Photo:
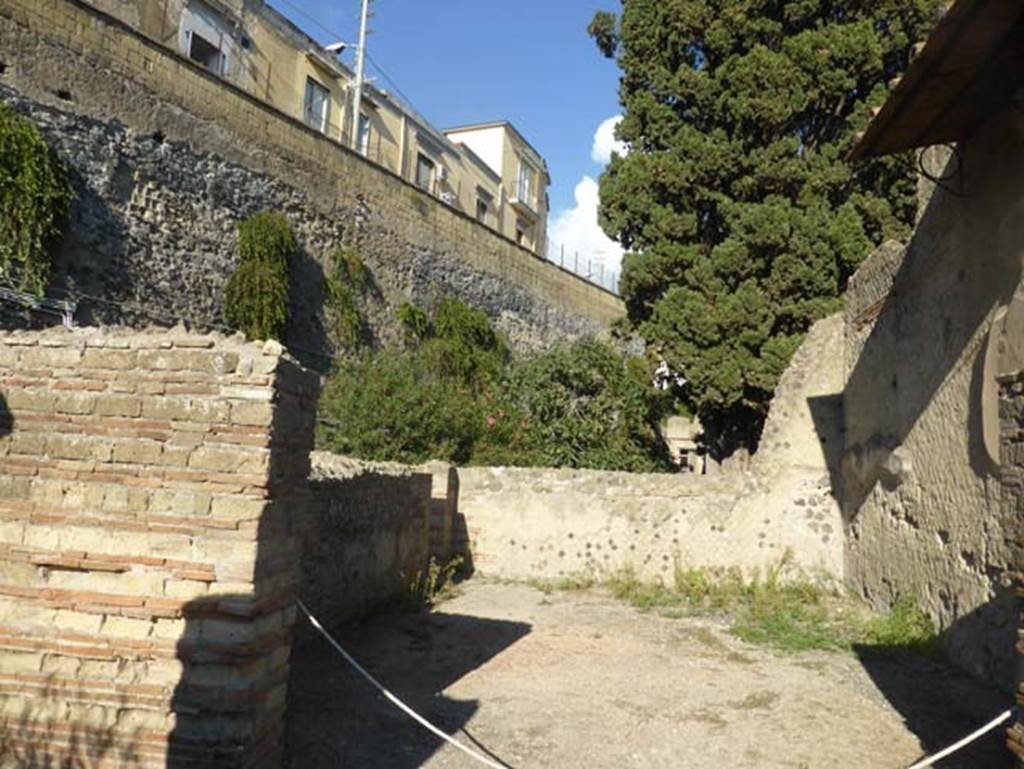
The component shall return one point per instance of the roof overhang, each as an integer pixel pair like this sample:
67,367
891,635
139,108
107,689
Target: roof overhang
970,66
327,66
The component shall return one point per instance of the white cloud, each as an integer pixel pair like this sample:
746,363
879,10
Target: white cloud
605,142
575,239
577,231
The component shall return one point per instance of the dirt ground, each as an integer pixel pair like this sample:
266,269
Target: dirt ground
578,679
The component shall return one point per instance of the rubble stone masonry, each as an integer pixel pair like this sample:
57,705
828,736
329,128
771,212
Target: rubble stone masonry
148,484
1011,412
166,158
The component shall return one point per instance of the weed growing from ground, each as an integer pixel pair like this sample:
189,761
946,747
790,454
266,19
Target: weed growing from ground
433,585
562,584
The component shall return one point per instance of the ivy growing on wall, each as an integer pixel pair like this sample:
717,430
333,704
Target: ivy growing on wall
256,298
34,199
347,280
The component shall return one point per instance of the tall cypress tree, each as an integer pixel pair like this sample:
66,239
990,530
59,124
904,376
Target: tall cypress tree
740,214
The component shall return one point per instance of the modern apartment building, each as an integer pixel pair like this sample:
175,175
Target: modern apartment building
524,177
487,171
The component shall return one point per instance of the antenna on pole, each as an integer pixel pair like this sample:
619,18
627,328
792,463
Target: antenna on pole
357,92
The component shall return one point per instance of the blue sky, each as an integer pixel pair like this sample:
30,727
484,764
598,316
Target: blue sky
467,61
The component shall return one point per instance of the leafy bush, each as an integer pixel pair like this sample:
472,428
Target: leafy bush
454,394
34,199
393,406
257,295
463,345
267,237
414,322
578,405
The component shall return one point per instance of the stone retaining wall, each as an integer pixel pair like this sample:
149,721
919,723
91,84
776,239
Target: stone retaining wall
167,158
148,484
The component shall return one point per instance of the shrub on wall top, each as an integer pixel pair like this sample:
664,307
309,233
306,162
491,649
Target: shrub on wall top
34,199
256,297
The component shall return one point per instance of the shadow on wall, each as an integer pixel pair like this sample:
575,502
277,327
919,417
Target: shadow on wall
927,309
336,718
941,704
93,255
943,292
27,745
230,702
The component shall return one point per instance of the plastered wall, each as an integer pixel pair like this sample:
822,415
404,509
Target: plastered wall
920,478
543,523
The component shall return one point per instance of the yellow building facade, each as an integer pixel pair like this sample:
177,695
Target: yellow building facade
487,171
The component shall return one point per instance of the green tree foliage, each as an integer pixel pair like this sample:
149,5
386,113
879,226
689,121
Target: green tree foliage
257,295
741,216
418,403
576,405
455,394
392,405
34,199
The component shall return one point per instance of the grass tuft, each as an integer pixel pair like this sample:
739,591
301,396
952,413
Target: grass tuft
435,584
783,609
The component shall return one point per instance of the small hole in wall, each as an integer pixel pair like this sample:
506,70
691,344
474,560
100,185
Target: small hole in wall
158,137
63,94
3,67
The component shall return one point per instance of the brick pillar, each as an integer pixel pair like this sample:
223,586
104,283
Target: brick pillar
1011,416
147,563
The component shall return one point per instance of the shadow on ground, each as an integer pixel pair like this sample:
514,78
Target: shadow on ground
335,718
940,704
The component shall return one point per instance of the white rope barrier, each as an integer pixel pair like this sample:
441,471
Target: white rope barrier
930,761
394,700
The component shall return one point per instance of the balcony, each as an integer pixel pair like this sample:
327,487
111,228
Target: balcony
522,200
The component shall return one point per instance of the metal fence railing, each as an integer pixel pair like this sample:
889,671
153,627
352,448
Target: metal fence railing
589,266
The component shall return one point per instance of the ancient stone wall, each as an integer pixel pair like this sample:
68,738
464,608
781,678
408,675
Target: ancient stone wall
148,485
167,159
920,464
365,535
1011,411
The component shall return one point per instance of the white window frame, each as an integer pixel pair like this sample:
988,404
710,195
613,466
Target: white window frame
524,183
425,160
197,19
364,127
315,88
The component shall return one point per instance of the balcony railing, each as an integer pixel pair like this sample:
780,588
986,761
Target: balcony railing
523,199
